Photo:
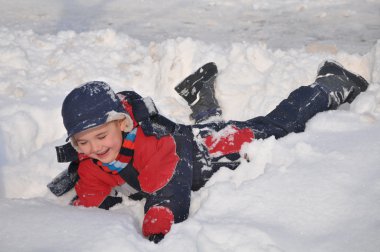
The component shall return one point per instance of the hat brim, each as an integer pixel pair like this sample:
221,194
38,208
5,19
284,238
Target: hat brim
89,124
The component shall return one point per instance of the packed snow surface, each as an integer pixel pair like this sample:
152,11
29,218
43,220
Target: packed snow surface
313,191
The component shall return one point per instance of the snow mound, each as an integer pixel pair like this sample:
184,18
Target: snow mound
313,191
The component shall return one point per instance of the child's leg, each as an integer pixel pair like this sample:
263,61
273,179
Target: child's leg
218,144
334,86
290,115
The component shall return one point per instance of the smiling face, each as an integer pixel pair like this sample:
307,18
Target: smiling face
102,143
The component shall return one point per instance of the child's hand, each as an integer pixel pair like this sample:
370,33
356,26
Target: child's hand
157,223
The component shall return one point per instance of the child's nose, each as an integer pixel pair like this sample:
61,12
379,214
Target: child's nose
95,147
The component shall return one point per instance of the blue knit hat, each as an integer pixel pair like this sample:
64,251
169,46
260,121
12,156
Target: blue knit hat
90,105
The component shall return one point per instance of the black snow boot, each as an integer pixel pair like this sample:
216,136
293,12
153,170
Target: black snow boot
340,84
199,92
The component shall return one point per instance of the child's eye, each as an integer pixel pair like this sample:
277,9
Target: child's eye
102,137
81,143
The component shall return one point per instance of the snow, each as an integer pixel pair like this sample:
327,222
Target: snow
314,191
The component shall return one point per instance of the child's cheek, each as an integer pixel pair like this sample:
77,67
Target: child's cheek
83,149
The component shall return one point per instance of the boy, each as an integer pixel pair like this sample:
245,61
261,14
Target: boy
121,141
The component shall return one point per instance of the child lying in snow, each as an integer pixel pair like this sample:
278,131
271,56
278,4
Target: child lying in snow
120,141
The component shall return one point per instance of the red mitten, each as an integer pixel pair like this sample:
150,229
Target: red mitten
158,220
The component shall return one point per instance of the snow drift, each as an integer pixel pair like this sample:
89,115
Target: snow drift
314,191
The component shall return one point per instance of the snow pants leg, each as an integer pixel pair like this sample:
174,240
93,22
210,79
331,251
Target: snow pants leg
289,116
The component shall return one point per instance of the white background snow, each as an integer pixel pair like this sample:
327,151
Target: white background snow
314,191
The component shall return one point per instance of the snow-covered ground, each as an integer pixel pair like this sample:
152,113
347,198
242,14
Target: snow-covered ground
314,191
287,24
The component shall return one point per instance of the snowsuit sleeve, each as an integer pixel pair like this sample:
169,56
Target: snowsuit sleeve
155,160
94,185
165,171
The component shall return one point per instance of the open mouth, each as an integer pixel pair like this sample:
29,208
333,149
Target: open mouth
103,154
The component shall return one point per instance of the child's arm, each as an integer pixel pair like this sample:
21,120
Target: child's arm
94,186
167,178
165,207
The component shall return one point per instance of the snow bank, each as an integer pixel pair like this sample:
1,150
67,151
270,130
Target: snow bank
314,191
328,25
